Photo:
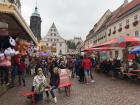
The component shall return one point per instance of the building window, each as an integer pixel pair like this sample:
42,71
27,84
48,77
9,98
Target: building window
46,44
120,25
135,18
54,44
137,33
60,44
127,22
109,33
51,40
57,39
54,34
60,52
114,28
109,30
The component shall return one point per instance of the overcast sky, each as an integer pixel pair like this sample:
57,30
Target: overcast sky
71,17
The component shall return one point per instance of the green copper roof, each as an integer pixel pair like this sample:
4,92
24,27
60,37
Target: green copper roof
36,12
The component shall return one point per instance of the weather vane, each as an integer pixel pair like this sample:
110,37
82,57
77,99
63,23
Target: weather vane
36,3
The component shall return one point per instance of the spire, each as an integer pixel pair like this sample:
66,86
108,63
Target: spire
53,25
36,13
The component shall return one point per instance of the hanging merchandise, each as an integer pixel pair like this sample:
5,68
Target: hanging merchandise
7,45
2,57
22,47
7,50
32,50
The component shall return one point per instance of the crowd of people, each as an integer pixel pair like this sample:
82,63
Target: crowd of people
116,67
45,71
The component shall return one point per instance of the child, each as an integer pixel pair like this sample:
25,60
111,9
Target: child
39,84
54,82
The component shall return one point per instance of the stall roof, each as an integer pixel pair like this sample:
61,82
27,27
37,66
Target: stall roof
17,26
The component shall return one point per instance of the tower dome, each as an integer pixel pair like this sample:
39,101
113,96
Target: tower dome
36,12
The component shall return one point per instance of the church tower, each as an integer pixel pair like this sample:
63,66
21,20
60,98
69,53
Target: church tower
35,24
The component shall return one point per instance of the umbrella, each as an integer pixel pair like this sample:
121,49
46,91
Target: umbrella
44,54
107,48
136,50
122,41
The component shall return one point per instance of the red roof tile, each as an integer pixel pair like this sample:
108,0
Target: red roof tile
122,10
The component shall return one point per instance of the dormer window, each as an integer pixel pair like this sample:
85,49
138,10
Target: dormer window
109,32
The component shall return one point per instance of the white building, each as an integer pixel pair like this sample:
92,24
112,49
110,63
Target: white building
77,40
53,42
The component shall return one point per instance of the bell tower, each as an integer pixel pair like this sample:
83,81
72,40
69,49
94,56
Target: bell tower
35,23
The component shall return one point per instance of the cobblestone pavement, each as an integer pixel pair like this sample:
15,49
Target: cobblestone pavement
104,92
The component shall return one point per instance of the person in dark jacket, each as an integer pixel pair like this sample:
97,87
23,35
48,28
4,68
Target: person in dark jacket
14,72
54,83
81,71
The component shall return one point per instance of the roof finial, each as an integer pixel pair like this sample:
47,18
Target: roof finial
36,13
36,3
125,2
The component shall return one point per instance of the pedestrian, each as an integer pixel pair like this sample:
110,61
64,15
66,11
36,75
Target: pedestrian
22,72
14,72
54,83
4,75
70,65
81,71
92,69
77,66
87,65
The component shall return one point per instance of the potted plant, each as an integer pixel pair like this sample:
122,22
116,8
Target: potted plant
120,29
114,32
135,23
127,27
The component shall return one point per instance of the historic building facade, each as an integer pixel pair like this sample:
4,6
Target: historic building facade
125,20
35,24
53,42
77,40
